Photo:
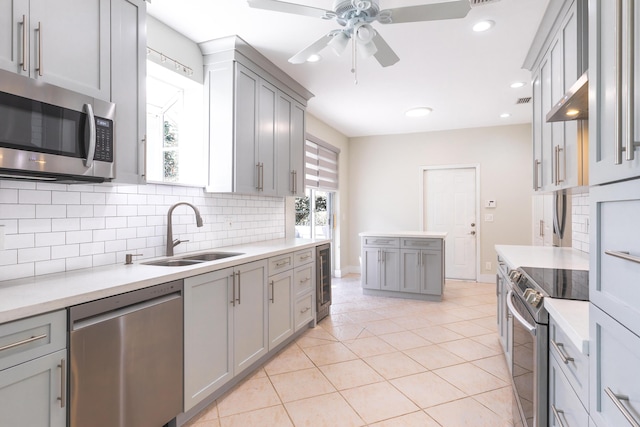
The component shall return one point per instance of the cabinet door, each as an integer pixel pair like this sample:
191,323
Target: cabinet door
557,146
390,270
246,166
432,272
70,44
250,338
570,157
290,146
207,334
608,131
565,409
371,268
614,362
128,89
410,270
14,36
615,251
537,130
296,148
280,308
266,146
546,168
30,393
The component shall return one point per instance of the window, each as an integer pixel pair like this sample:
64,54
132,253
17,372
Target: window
175,137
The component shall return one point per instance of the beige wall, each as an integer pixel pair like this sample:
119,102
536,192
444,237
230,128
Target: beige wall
385,182
321,130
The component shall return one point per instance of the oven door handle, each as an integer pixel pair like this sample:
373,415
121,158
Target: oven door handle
518,316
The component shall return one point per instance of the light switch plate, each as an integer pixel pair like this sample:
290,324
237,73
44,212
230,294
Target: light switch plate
488,217
491,203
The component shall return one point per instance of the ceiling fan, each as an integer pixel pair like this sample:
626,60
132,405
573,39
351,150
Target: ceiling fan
356,17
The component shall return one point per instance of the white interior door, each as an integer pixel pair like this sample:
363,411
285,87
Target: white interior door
450,206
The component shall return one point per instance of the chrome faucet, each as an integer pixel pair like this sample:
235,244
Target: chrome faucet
173,243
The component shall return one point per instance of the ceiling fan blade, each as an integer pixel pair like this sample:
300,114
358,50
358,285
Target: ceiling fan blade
298,9
314,48
385,55
427,12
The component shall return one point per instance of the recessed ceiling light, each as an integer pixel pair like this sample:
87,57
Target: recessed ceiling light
483,26
517,85
418,112
505,115
314,58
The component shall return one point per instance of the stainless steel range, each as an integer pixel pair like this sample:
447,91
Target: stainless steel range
528,286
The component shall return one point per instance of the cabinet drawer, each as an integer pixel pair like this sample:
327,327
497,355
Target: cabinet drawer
615,252
381,242
565,409
576,367
303,279
304,311
33,337
280,263
614,368
421,243
304,257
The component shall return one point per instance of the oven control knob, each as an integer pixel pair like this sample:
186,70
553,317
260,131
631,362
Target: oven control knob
534,298
515,276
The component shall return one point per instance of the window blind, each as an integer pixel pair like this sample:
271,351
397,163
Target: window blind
321,165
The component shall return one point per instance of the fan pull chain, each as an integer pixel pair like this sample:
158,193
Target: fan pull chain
354,61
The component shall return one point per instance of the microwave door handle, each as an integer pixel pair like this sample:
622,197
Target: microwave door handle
518,316
88,162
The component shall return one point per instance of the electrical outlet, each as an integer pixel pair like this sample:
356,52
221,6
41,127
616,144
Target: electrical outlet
488,217
228,223
487,265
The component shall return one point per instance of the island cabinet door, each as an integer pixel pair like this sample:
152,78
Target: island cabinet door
390,270
207,334
432,272
410,270
371,268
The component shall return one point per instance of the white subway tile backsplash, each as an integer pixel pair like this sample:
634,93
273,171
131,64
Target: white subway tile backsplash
580,221
55,227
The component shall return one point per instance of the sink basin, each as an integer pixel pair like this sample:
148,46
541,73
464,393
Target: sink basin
192,259
210,256
172,262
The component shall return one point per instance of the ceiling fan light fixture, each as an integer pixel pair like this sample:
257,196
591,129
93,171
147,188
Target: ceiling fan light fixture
339,42
483,26
517,85
505,115
418,112
314,58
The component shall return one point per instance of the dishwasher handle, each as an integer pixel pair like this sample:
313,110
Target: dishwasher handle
77,325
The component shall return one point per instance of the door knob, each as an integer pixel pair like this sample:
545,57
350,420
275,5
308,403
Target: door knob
473,224
473,233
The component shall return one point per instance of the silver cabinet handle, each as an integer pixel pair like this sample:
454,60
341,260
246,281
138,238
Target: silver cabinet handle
306,279
273,293
307,256
239,289
556,415
630,144
616,399
541,228
623,255
305,310
23,342
537,165
518,316
558,150
40,67
233,292
281,263
63,383
91,122
565,359
24,43
295,182
617,140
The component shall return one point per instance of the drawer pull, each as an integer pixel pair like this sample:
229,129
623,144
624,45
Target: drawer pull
281,263
306,279
565,359
63,383
556,415
616,399
623,255
305,310
25,341
307,256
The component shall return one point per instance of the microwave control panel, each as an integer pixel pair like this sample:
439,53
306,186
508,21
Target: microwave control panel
104,140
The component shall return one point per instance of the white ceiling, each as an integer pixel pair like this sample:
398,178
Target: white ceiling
463,76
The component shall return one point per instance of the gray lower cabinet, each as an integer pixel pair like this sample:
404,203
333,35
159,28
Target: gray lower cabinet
565,409
280,304
421,271
614,398
381,268
225,327
33,366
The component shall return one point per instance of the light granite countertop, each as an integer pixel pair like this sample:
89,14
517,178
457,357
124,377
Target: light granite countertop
41,294
571,316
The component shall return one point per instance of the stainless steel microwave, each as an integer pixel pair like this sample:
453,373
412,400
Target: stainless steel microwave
48,133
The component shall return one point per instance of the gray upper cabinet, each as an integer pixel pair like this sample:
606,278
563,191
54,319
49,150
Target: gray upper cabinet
614,131
37,41
256,122
128,90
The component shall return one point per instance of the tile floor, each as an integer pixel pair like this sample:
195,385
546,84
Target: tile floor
382,362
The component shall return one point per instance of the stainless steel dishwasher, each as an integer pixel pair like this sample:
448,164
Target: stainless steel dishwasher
126,356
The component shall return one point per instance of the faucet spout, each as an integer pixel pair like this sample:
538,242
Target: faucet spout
170,242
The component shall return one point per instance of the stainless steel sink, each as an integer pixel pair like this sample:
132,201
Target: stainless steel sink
192,259
211,256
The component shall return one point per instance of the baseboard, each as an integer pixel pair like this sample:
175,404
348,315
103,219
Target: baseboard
487,278
345,271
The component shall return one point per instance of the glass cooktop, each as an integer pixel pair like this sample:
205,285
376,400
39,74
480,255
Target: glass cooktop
560,283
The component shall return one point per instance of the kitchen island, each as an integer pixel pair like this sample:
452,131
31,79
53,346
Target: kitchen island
403,264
